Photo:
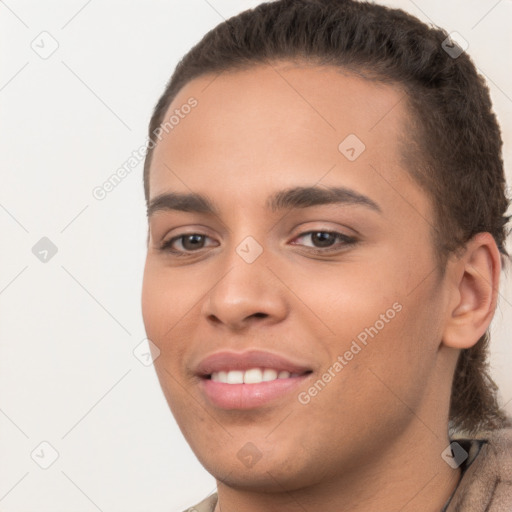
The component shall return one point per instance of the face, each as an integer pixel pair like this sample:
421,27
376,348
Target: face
339,289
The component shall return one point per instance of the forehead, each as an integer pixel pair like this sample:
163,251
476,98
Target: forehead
284,124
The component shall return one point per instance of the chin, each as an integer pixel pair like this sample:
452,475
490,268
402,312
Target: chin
275,472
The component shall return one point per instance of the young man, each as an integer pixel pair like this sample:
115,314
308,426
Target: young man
326,204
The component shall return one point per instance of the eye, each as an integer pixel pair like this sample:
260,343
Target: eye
190,242
323,240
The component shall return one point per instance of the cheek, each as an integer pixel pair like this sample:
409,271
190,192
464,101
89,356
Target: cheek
160,312
350,298
381,330
153,297
168,310
160,316
165,302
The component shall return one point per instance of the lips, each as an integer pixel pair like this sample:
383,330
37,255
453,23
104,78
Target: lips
225,385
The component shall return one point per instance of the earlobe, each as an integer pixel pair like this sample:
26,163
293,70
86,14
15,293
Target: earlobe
474,292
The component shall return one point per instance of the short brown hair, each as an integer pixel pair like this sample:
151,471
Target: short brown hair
455,150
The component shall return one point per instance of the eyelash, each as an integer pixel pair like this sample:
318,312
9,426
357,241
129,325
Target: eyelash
347,241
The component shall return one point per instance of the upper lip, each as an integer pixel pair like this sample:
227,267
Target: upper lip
225,361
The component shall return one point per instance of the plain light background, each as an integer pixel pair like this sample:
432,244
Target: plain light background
69,326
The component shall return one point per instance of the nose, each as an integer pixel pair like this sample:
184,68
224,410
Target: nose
246,294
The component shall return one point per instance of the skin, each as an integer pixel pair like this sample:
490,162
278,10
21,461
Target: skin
373,437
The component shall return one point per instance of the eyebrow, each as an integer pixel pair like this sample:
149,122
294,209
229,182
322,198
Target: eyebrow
296,197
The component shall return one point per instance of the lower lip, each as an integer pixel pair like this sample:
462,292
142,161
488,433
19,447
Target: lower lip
248,396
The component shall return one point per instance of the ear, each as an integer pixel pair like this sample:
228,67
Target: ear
473,292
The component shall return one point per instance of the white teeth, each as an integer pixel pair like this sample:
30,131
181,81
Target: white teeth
269,374
251,376
235,377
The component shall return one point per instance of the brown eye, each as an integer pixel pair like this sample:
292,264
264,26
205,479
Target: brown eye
189,242
323,241
323,238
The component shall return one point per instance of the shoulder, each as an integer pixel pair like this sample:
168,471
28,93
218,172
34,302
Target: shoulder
207,505
486,483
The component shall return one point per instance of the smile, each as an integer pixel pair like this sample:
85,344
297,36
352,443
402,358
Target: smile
249,379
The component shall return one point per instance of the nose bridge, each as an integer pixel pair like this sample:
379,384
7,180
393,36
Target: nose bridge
247,288
246,253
